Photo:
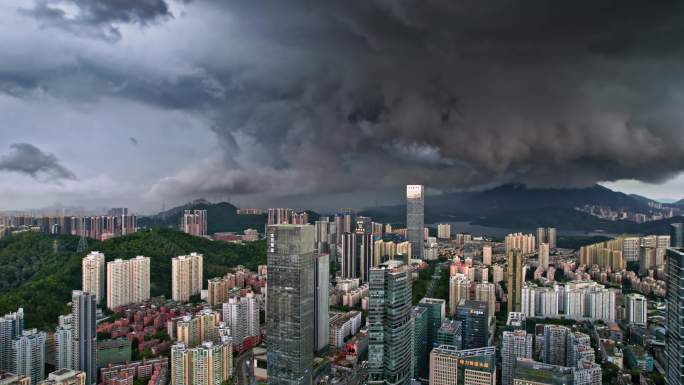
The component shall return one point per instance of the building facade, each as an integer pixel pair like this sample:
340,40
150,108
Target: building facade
93,274
415,218
390,331
84,336
291,304
186,276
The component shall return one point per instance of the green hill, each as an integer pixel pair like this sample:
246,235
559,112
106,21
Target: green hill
38,271
220,217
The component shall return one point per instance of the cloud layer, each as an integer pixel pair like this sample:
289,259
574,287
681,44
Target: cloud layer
307,97
28,159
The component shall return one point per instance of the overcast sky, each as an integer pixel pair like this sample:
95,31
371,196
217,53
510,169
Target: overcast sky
334,103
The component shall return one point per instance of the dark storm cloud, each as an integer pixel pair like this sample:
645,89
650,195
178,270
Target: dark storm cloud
358,95
97,18
28,159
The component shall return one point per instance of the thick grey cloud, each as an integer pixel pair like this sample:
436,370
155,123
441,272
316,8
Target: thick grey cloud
28,159
97,18
346,96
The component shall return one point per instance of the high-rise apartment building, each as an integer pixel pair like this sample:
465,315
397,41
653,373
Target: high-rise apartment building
279,216
474,318
84,336
186,276
486,292
194,222
675,310
207,364
459,288
28,355
415,219
241,315
344,219
554,349
636,307
487,255
128,281
515,344
63,347
544,255
11,326
450,366
523,243
444,231
390,330
291,304
546,235
322,301
199,328
93,274
515,278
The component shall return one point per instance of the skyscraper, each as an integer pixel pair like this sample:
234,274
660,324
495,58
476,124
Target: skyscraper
515,277
186,276
516,344
350,268
677,235
675,310
363,233
390,330
474,318
291,304
28,355
194,222
322,301
84,336
436,311
420,342
11,326
93,274
415,220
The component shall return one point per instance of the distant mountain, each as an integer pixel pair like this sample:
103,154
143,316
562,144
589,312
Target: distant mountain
221,217
518,206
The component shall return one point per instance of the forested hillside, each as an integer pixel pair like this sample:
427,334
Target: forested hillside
38,271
